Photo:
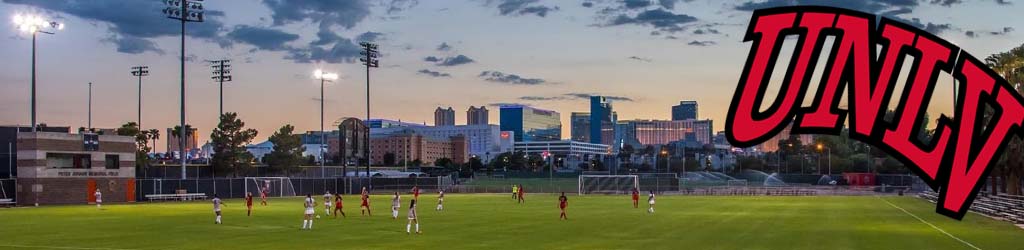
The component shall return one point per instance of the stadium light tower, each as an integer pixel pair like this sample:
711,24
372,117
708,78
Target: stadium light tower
184,11
34,25
140,71
324,78
369,59
221,74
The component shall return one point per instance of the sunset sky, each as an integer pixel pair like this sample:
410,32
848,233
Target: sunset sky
647,55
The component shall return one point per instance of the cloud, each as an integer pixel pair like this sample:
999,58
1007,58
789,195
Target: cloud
658,18
668,4
133,45
512,79
586,96
501,104
455,61
345,13
978,33
444,47
588,4
262,38
891,9
343,51
433,73
636,4
541,98
642,59
396,6
1003,2
134,28
432,59
701,43
524,7
370,36
710,31
946,3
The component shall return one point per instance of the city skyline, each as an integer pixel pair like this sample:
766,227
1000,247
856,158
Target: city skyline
547,54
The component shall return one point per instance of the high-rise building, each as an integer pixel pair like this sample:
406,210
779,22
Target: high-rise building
531,124
444,117
385,123
602,121
484,141
686,110
409,146
579,123
477,116
661,132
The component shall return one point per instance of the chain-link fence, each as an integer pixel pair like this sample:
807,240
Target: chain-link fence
236,187
8,189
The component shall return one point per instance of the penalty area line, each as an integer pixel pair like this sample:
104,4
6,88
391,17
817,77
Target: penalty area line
929,224
68,248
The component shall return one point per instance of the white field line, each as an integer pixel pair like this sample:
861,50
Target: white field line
930,224
68,248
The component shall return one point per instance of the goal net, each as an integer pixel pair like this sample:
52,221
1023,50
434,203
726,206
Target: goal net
608,184
273,186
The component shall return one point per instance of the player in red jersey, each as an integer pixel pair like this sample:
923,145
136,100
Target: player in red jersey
636,198
337,206
562,203
248,204
365,206
416,193
263,196
522,192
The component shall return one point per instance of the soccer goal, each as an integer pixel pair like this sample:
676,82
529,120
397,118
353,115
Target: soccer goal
274,186
608,184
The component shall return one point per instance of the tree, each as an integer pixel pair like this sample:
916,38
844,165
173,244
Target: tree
142,139
229,140
287,154
389,159
443,162
1010,165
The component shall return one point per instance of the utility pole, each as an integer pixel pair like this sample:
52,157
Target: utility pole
90,107
324,78
34,25
140,71
184,11
221,74
369,59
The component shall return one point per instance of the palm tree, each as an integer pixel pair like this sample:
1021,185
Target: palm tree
1010,166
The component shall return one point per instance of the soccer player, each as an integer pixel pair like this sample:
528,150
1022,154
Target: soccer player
99,198
396,203
327,203
216,208
636,198
309,204
263,196
650,200
365,206
522,191
338,205
515,192
248,204
440,200
415,192
562,203
413,219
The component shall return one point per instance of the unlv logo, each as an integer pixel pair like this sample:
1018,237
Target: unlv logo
864,63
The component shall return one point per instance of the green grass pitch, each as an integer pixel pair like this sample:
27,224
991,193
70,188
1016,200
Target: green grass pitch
492,221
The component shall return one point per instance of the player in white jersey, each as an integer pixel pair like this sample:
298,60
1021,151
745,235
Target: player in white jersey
99,198
413,218
216,208
440,200
396,203
650,200
310,205
327,203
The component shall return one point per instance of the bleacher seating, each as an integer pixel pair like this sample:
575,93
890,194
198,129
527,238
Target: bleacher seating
1002,206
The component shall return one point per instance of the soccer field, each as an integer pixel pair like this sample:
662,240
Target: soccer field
491,221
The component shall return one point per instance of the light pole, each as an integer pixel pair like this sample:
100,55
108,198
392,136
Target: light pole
221,74
34,25
369,59
820,146
89,123
324,78
140,71
664,153
184,11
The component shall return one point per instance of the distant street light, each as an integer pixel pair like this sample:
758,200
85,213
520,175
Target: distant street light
140,71
369,59
34,25
184,11
324,78
820,146
221,74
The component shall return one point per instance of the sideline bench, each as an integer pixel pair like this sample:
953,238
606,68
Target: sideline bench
176,197
7,202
